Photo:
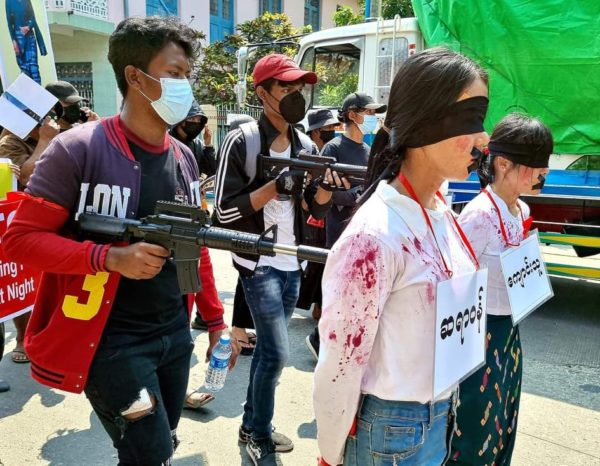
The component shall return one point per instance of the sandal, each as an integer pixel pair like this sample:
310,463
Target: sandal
246,348
19,356
251,337
196,400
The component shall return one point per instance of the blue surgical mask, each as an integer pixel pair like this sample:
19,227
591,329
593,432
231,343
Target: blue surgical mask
368,125
175,100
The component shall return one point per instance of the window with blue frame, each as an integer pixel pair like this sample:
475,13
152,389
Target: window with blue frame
312,14
162,8
221,19
272,6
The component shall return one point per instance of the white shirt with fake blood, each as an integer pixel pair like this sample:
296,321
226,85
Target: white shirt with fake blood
378,320
281,212
479,220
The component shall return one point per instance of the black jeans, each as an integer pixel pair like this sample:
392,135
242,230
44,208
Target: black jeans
241,312
120,373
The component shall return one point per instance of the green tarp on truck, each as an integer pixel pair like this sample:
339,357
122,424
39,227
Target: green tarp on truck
543,58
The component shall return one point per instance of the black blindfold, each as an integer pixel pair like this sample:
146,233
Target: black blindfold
463,117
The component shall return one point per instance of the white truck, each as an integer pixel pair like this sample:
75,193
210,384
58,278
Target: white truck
365,57
362,57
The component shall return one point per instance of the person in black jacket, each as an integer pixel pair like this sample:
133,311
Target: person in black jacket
321,129
188,131
246,201
358,113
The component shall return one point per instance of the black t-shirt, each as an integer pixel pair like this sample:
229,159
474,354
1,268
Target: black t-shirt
146,308
350,152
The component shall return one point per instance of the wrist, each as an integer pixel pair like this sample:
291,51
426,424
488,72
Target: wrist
111,259
323,196
219,327
102,260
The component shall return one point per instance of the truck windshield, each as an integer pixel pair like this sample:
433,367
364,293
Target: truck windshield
337,67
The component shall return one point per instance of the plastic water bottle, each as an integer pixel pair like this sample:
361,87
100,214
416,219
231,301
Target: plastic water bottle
218,365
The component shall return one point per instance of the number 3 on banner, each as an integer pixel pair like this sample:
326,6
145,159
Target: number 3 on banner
94,284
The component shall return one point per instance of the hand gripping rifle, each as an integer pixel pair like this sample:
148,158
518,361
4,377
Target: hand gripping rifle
182,229
316,165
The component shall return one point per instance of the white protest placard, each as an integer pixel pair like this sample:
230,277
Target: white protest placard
525,277
460,328
23,105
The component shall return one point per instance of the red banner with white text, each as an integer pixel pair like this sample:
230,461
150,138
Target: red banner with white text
18,284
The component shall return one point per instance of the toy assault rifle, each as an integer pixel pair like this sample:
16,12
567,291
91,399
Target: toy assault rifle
182,229
316,165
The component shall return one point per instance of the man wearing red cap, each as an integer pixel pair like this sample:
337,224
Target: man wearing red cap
246,201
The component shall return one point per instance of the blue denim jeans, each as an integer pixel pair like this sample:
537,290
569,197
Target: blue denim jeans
394,433
120,370
271,295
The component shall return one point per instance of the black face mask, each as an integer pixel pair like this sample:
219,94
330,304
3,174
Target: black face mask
71,114
192,129
478,156
327,136
292,107
542,181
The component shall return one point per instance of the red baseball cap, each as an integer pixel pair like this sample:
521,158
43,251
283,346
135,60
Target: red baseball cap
280,67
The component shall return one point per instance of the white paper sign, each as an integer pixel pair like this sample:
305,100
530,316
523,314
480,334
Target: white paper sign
460,329
525,277
24,95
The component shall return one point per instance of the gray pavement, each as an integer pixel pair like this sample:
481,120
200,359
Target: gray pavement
560,409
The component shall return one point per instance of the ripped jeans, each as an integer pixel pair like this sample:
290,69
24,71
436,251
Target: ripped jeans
158,367
401,433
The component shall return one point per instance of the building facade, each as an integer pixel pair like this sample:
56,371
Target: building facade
80,29
225,14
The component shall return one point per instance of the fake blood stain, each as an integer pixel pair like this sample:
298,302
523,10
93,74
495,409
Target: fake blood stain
430,294
365,266
357,340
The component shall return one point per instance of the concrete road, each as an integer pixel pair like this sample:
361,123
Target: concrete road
560,409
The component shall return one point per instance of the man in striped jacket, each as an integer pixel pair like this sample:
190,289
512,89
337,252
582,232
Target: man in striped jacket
246,201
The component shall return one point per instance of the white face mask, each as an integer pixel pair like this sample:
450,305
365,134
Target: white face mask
175,100
368,125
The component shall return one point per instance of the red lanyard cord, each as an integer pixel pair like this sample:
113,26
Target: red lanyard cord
502,227
461,233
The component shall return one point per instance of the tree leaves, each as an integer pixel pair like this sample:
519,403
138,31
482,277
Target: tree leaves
217,72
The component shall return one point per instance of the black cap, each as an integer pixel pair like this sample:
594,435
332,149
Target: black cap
361,100
64,91
319,118
195,111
